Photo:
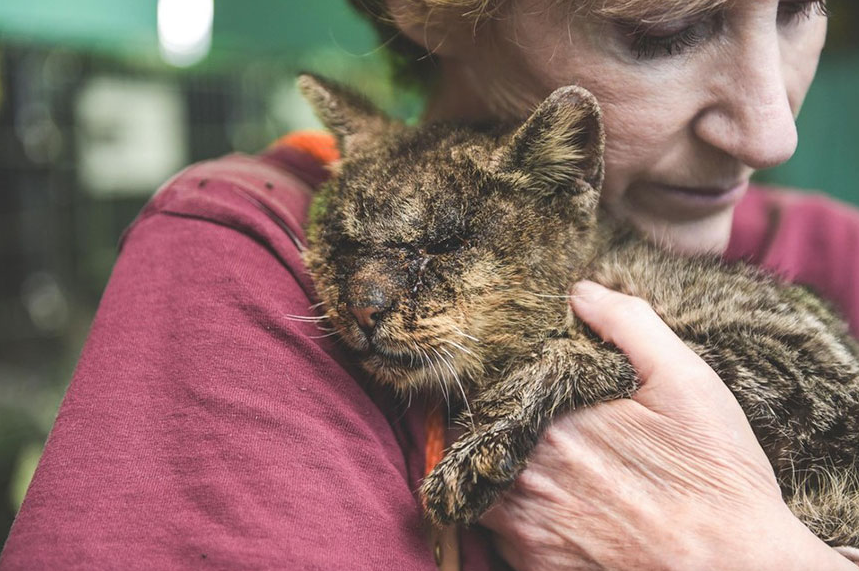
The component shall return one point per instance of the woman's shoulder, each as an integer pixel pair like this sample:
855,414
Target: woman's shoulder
807,237
229,200
247,192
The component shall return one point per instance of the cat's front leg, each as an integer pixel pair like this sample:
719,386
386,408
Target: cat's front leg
509,416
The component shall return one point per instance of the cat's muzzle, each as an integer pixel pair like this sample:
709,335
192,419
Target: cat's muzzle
400,360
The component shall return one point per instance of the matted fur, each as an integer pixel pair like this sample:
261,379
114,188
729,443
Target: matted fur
443,254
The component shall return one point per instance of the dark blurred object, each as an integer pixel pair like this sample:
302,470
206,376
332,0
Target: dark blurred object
842,26
18,431
84,142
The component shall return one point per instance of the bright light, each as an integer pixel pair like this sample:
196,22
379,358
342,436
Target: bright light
185,30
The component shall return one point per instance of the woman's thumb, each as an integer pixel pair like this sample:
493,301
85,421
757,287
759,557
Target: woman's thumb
671,374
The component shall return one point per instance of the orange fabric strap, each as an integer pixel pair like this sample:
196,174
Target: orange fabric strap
321,145
435,431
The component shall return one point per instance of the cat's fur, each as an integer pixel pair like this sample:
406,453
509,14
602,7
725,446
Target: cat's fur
443,255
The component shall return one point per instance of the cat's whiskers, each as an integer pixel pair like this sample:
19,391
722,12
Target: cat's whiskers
449,354
315,319
458,381
464,334
306,318
439,375
322,336
441,378
412,355
335,339
458,346
441,360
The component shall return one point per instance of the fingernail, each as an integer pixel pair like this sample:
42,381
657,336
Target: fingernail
588,291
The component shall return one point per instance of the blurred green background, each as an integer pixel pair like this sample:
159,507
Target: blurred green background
93,118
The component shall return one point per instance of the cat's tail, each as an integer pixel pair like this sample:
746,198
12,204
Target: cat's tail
826,500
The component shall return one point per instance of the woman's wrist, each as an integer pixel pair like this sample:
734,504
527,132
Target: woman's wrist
780,542
804,550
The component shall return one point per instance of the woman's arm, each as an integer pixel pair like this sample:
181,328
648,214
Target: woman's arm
204,425
672,479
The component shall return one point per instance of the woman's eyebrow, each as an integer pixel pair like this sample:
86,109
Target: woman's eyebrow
653,11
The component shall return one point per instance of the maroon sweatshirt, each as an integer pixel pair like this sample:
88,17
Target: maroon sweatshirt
205,428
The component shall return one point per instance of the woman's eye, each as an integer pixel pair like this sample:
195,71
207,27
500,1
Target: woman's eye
649,42
790,11
449,245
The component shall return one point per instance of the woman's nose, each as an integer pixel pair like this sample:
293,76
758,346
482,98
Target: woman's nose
751,116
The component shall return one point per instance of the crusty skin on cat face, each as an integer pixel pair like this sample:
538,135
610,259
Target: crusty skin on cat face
435,254
443,253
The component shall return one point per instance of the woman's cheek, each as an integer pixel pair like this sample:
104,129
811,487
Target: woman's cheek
801,61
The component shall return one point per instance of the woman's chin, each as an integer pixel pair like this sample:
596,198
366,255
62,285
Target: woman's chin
707,235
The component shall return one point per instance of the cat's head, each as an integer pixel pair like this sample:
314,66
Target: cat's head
442,251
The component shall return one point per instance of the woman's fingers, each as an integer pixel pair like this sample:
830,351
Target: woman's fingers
671,373
631,324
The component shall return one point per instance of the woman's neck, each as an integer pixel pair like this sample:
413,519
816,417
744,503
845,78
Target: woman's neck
454,97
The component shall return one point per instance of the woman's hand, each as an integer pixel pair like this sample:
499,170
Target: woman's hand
672,479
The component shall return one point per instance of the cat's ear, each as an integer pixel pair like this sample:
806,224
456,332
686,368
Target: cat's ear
348,115
560,145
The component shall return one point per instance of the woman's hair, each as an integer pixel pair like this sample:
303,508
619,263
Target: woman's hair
413,66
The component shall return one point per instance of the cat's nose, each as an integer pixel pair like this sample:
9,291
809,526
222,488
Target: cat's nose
370,294
367,317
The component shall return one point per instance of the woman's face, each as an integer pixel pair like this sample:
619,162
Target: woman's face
693,102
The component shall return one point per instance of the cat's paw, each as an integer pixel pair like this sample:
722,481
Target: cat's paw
470,477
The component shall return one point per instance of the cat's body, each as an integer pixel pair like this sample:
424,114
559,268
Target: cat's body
443,255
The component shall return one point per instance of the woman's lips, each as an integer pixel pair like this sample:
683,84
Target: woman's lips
685,202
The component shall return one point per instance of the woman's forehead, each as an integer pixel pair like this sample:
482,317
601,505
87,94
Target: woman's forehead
652,11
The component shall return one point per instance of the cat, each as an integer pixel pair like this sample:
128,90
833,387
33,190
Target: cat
443,254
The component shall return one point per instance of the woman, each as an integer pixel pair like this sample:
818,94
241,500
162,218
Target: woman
207,427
